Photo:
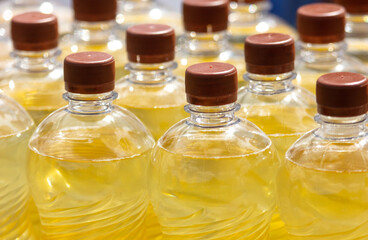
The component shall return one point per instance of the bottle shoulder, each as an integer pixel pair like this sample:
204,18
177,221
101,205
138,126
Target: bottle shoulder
117,133
235,140
331,155
13,73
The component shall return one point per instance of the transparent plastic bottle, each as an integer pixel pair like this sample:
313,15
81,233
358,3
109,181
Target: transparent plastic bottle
95,29
249,17
356,27
16,127
89,160
212,175
321,29
322,186
132,12
35,77
11,8
271,101
152,91
206,38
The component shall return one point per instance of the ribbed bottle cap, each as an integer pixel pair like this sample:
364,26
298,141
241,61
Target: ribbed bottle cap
205,15
34,31
211,84
321,23
89,73
354,6
342,94
95,10
269,53
150,43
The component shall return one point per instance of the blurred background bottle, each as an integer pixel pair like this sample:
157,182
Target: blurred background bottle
16,127
151,90
89,160
322,190
321,28
35,77
95,29
212,174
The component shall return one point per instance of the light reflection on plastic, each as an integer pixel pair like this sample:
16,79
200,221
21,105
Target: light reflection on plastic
184,62
155,13
46,7
11,84
120,18
74,48
115,45
7,15
262,27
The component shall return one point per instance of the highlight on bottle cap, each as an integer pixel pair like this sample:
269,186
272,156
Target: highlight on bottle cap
269,53
342,94
150,43
89,73
211,84
34,31
95,10
321,23
205,16
354,6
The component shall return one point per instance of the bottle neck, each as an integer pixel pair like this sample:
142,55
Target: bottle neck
205,44
25,3
214,116
90,104
151,74
249,13
36,61
357,25
270,84
330,53
94,32
341,128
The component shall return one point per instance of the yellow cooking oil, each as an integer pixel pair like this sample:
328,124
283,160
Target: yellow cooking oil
87,184
15,130
158,106
323,193
213,188
40,93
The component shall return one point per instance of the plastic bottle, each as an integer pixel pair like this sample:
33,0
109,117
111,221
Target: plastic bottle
249,17
133,12
11,8
88,163
212,175
152,91
206,37
271,101
356,27
321,29
34,78
95,29
16,127
322,185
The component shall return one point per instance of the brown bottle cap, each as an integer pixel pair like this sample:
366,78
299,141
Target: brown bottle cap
342,94
89,73
354,6
205,15
95,10
269,53
321,23
150,43
34,31
211,84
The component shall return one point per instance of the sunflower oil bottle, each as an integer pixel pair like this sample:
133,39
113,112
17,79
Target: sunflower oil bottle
212,175
34,78
356,27
322,187
271,101
133,12
11,8
206,37
321,28
88,164
16,127
250,17
95,29
151,90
